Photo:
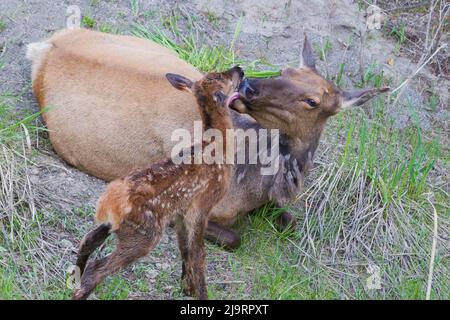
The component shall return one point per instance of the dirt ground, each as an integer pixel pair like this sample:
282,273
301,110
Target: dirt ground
271,31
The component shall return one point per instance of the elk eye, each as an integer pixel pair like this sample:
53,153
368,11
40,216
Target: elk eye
311,102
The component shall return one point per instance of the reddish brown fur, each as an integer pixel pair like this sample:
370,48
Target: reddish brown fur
139,206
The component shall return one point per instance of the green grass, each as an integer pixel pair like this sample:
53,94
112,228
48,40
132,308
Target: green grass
20,219
270,264
12,129
398,32
114,288
94,3
104,27
8,291
213,19
340,74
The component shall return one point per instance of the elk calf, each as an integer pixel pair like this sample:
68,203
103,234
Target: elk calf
138,207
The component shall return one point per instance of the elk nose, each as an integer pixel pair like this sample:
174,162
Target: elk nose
245,88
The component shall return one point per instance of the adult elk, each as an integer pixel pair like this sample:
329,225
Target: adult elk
138,207
112,110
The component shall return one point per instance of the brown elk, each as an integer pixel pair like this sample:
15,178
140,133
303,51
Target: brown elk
138,207
99,84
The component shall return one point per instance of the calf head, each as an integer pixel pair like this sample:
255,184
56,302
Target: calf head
213,88
299,101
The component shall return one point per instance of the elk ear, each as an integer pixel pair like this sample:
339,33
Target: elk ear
179,82
307,59
359,97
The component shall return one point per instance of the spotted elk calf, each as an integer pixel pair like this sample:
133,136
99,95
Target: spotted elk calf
87,121
139,206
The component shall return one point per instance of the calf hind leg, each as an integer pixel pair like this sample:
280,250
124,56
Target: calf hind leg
132,244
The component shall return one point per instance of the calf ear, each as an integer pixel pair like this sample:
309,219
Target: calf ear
359,97
307,59
179,82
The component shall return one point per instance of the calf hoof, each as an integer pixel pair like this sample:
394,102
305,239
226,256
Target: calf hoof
224,237
286,222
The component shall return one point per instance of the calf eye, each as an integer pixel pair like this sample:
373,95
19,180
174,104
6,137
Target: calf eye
311,102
